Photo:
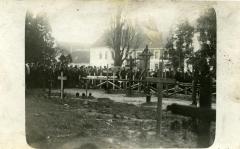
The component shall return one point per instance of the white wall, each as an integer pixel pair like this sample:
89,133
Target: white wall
97,60
101,56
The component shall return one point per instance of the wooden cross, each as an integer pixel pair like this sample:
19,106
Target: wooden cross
62,78
159,82
146,54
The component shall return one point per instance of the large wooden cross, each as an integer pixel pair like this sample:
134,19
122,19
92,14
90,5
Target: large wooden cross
146,54
62,78
160,81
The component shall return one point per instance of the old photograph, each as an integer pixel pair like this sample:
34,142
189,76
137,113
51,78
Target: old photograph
121,74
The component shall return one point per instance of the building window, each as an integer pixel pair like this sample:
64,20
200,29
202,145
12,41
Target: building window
100,55
106,55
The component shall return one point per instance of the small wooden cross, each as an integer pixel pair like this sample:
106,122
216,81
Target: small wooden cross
62,78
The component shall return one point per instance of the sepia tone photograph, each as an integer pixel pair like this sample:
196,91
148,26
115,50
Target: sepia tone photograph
110,74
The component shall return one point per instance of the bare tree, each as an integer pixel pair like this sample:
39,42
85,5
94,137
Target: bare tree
122,37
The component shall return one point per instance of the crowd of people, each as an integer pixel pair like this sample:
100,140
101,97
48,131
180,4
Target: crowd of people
43,76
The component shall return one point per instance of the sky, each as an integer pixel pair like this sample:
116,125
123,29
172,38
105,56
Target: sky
84,22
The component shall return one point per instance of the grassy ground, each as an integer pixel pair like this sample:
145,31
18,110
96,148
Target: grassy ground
101,123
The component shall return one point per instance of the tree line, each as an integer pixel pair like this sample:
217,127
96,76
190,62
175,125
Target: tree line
123,37
40,45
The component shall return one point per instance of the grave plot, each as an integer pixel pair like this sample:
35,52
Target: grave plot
52,123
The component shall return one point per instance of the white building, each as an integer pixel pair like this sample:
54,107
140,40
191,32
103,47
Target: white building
101,56
155,59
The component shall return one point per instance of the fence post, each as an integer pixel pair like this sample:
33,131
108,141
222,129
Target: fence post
113,80
100,80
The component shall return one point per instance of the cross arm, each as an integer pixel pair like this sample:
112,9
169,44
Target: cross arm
62,78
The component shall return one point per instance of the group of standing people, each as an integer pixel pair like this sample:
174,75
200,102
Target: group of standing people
42,76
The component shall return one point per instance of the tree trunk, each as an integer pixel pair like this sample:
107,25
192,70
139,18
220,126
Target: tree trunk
117,59
203,134
205,92
194,89
205,102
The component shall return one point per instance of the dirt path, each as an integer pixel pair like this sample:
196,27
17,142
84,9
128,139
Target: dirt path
131,100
